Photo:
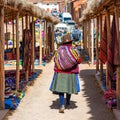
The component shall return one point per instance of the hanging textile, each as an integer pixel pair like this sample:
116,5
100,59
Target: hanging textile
111,66
27,39
116,46
103,44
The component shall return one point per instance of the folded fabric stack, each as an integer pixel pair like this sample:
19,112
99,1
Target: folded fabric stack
13,97
8,92
13,101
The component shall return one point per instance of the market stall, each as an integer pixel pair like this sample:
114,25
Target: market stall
13,10
105,15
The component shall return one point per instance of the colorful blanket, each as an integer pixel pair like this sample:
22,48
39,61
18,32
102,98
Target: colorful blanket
103,44
66,58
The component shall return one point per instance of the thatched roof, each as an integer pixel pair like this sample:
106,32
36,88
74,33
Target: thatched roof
95,7
25,8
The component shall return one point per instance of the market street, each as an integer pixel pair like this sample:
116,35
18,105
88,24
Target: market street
40,104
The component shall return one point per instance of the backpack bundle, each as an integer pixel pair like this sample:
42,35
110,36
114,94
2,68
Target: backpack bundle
66,58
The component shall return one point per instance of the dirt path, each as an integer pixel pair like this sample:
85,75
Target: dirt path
40,104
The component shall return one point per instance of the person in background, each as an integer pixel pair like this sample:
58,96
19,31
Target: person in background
77,37
66,69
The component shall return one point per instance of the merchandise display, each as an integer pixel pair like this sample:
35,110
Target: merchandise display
13,97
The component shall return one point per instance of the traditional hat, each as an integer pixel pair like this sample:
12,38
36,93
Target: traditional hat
66,39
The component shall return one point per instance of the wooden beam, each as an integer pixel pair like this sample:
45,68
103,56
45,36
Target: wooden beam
45,37
22,25
92,41
27,23
101,64
6,32
33,44
108,83
40,42
13,36
2,77
17,53
89,37
27,72
53,37
97,49
85,32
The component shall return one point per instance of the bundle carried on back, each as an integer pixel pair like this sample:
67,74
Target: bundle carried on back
66,58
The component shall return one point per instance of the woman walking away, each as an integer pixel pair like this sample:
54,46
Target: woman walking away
65,79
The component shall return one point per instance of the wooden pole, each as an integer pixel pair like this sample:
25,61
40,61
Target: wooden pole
92,41
53,37
13,36
2,77
6,32
85,35
108,83
118,67
97,49
89,37
101,64
22,25
17,53
27,72
26,22
40,42
47,46
45,36
33,45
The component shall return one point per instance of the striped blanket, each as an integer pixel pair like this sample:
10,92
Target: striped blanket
66,58
103,44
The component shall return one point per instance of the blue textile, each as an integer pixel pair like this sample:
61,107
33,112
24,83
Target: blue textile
78,32
61,98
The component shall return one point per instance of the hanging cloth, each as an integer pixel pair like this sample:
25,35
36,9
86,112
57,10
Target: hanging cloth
103,44
111,66
116,46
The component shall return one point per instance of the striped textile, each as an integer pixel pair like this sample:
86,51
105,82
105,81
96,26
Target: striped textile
66,57
103,44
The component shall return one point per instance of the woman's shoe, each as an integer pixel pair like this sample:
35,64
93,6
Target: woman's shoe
61,110
67,106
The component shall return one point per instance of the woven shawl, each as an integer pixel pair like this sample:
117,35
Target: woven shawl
103,44
66,58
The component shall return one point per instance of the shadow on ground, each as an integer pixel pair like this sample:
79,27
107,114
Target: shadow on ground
93,94
55,104
31,84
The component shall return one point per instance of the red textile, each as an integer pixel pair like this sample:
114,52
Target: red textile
111,66
103,44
